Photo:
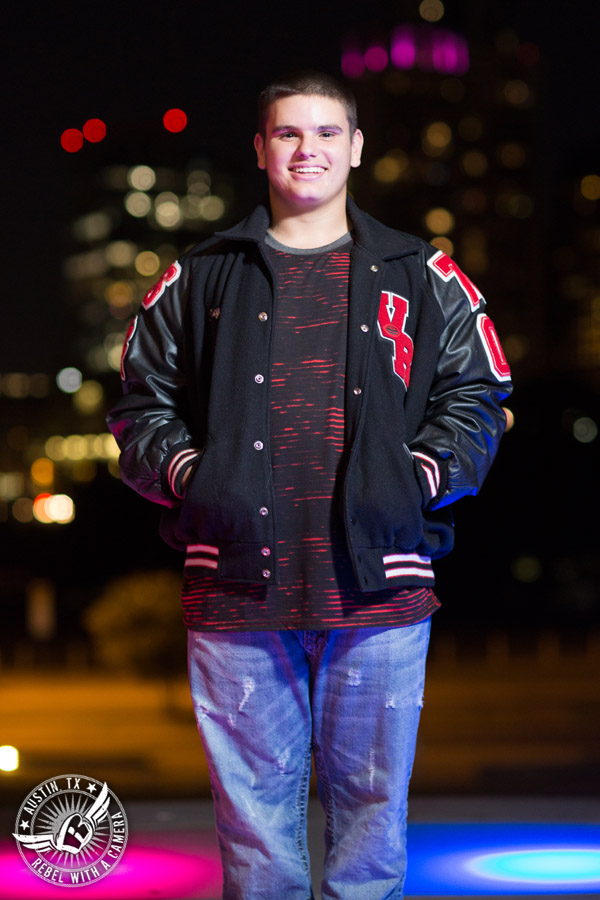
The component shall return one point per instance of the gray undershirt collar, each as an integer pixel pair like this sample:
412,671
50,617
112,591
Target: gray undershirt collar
305,251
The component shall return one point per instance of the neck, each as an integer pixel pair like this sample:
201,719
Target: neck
310,228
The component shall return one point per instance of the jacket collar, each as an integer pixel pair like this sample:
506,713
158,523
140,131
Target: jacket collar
374,237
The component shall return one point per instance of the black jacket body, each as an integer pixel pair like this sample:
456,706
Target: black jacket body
425,380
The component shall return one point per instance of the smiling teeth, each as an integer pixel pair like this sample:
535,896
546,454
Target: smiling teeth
309,170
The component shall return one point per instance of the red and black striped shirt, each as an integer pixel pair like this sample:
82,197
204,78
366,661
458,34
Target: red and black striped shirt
316,586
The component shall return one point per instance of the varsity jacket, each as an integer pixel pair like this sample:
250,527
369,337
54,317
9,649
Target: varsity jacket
425,378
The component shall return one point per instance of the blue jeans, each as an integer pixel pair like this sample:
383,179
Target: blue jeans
263,701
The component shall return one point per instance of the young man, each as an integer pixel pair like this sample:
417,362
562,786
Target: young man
307,393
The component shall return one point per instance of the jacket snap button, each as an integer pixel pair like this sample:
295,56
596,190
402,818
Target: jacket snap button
374,268
259,379
263,316
358,391
364,328
258,445
266,551
263,511
266,573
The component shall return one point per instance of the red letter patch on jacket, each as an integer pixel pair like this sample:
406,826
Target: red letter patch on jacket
393,313
167,278
446,268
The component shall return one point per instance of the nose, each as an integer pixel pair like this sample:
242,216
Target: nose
305,148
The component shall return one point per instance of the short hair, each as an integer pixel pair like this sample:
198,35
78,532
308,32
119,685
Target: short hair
312,83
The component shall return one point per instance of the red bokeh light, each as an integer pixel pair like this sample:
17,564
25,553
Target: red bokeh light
94,130
174,120
71,140
528,54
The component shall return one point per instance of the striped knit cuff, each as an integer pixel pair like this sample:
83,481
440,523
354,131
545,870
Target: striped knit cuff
179,465
428,472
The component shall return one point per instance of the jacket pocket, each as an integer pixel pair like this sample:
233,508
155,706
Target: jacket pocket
384,499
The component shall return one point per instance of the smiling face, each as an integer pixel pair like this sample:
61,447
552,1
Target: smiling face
307,151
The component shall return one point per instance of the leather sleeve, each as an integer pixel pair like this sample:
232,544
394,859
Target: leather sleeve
150,421
459,436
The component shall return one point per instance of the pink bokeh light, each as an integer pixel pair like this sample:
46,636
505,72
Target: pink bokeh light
376,58
403,49
150,868
352,63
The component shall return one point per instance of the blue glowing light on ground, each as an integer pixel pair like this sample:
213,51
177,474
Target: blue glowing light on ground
463,860
552,865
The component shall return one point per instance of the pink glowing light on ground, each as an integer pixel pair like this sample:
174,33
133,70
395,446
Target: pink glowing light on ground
149,868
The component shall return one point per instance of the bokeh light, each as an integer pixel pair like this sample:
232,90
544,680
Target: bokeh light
517,92
439,221
89,398
147,263
590,187
212,208
9,758
376,58
42,471
391,167
94,130
431,10
69,379
545,866
22,509
474,163
585,430
142,178
175,120
436,138
71,140
137,204
353,64
443,243
53,509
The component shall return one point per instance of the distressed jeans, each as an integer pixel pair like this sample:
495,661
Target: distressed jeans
263,701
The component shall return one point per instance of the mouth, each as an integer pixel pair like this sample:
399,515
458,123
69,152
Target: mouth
307,170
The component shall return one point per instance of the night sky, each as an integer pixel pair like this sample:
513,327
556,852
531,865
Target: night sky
69,61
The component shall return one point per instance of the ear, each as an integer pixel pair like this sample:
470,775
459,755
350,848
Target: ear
357,145
259,146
